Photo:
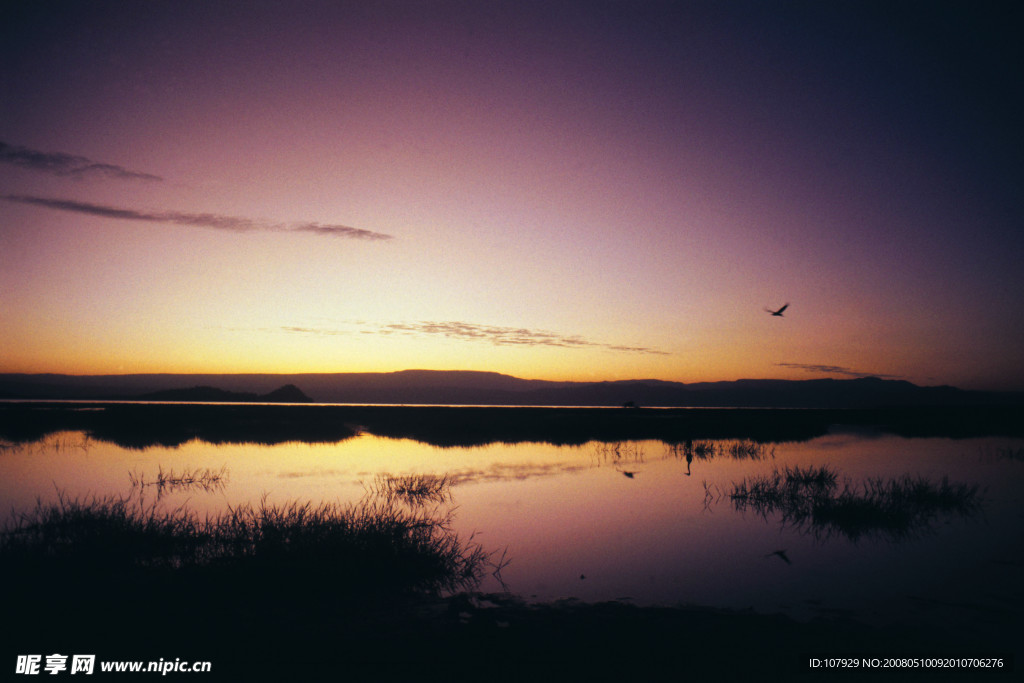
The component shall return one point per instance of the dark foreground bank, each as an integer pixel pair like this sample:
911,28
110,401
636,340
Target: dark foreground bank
381,590
275,634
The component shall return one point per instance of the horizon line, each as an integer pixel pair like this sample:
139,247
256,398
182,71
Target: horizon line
845,378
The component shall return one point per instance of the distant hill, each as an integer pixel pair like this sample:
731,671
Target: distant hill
200,394
491,388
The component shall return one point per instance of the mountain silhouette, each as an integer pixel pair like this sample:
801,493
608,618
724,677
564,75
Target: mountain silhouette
490,388
202,394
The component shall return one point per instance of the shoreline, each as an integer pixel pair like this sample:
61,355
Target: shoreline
142,424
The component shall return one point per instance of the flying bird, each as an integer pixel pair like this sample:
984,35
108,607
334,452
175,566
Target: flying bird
781,554
778,312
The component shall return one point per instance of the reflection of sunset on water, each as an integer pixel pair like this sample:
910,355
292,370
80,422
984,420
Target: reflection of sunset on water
562,513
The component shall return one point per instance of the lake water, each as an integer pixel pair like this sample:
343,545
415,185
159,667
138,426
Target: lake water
633,520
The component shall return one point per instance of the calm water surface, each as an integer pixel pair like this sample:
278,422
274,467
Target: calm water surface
632,520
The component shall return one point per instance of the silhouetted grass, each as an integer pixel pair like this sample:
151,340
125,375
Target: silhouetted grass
415,489
108,533
690,450
617,452
252,585
702,450
204,479
264,579
373,547
1009,453
749,450
810,498
896,508
742,449
793,490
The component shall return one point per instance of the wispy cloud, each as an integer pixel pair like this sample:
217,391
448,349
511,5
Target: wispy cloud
68,165
472,332
836,370
201,220
313,330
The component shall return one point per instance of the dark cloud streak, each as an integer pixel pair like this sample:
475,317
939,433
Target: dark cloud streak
200,220
835,370
67,165
499,336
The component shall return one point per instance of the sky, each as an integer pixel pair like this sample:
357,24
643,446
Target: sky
564,190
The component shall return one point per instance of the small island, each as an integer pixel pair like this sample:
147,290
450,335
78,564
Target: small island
289,393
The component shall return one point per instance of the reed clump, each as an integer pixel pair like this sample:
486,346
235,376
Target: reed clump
812,499
414,489
787,488
690,450
749,450
204,479
895,508
740,449
109,533
1010,453
616,452
370,548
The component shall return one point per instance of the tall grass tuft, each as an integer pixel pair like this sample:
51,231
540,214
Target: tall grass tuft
204,479
749,450
109,532
812,499
690,449
742,449
617,452
1010,453
414,489
374,547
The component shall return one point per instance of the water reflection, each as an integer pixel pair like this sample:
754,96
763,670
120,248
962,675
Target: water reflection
651,520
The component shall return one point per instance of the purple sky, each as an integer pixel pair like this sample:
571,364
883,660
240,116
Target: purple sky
559,190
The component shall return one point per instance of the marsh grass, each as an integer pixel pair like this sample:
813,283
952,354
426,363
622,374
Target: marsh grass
356,551
701,450
812,499
204,479
58,442
616,452
1009,453
413,489
741,449
896,508
99,532
61,443
749,450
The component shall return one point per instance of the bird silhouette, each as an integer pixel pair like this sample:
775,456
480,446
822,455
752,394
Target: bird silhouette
778,312
782,554
628,474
